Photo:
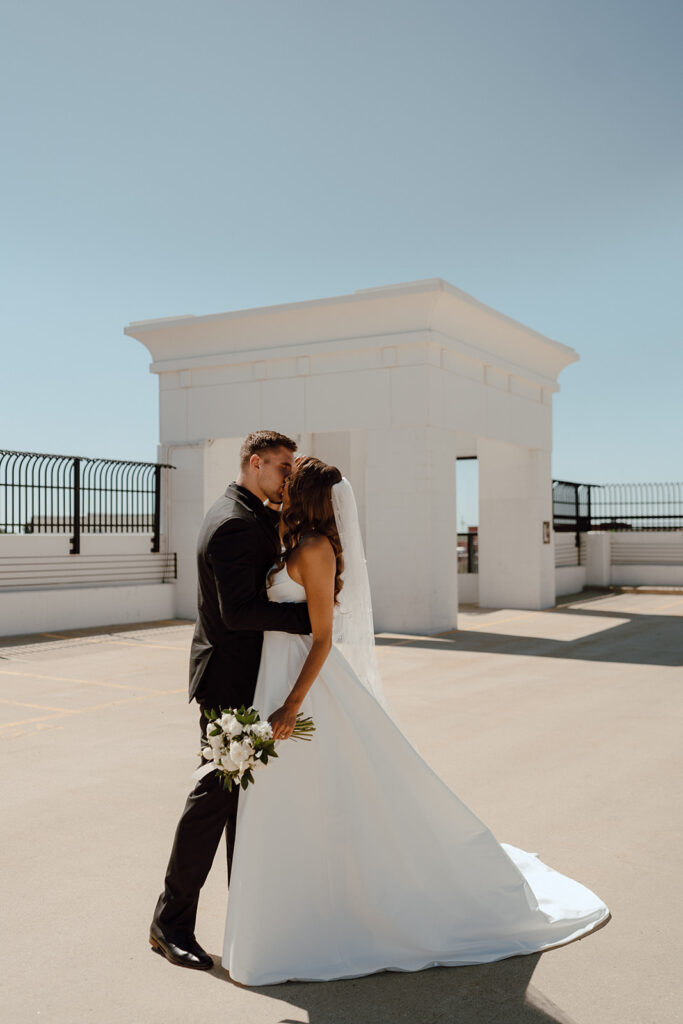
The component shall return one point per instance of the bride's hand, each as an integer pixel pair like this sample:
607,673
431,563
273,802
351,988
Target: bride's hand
283,721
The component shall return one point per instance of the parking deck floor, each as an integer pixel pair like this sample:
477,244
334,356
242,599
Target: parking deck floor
561,729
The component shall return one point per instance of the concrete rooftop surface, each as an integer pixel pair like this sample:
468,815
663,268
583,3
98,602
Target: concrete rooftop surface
560,729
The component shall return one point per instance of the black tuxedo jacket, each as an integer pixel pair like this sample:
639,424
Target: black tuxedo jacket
238,544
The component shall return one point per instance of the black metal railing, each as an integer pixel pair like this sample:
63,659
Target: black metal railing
578,508
68,494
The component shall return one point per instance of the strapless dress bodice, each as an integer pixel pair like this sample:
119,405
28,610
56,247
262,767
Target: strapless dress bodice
284,588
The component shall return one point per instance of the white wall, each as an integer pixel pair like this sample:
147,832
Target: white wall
72,606
348,451
412,541
647,575
187,498
40,611
468,588
646,547
570,579
638,558
516,567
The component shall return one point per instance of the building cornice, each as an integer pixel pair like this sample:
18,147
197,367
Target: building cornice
419,312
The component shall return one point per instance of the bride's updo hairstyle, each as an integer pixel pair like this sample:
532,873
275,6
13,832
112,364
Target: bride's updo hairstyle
310,510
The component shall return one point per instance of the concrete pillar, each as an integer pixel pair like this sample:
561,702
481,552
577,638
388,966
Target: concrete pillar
347,450
203,469
221,466
411,529
598,560
516,567
186,505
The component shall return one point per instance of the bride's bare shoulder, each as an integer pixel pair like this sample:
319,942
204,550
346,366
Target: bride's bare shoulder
314,548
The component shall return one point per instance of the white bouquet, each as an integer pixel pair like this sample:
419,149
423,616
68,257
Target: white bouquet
238,742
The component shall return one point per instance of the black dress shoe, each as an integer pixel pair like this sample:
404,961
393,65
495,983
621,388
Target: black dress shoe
184,952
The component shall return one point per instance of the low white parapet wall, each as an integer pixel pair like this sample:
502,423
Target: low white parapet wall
43,611
638,558
468,588
569,579
116,579
647,576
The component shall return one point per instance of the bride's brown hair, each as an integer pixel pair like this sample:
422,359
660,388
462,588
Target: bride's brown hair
310,511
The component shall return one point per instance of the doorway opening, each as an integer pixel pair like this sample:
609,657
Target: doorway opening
467,522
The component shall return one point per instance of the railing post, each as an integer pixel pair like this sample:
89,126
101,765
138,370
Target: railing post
156,532
577,524
76,538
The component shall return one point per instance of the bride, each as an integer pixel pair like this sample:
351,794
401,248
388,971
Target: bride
352,856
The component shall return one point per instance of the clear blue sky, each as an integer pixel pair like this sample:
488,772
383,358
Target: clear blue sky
162,157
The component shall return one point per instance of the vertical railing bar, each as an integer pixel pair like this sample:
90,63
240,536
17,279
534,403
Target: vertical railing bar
65,504
22,496
129,501
66,512
148,500
156,535
110,475
15,470
45,499
133,498
122,487
32,478
76,537
577,535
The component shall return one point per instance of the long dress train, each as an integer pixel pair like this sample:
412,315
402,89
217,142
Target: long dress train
353,856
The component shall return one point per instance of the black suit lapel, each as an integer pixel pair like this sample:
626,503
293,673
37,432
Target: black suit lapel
251,504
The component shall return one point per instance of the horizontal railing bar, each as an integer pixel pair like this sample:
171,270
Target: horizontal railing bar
75,571
19,573
55,561
83,458
65,571
81,585
97,570
12,581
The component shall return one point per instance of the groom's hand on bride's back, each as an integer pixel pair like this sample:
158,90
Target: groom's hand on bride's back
233,551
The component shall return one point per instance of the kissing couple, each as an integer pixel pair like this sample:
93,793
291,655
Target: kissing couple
348,855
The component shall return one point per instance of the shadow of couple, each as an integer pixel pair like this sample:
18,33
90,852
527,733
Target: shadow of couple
496,993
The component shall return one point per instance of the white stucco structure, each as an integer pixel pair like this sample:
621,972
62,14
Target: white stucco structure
390,384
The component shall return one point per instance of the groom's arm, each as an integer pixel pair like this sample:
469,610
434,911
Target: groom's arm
233,552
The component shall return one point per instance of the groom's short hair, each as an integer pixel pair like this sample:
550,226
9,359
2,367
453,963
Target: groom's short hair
264,440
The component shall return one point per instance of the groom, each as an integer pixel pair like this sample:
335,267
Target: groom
238,544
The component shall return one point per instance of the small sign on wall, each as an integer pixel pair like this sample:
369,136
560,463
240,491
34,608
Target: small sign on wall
546,532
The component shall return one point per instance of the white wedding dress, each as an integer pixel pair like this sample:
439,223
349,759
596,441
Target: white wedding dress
352,856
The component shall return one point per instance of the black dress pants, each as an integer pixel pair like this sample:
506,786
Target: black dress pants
209,810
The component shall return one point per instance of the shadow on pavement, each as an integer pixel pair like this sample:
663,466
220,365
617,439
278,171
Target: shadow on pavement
497,993
642,640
